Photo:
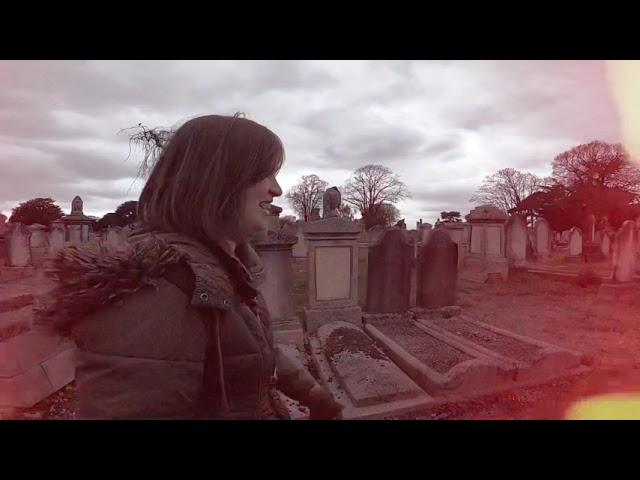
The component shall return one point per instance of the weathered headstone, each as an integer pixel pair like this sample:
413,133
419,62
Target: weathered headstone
113,237
575,242
624,262
517,241
56,237
389,274
3,224
74,233
437,272
18,245
331,202
39,243
605,244
542,239
332,267
487,251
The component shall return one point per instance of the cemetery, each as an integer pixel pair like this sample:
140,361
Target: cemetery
437,322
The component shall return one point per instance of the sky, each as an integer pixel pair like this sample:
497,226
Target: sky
442,126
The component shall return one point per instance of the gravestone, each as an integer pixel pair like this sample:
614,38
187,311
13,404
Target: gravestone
300,248
542,239
114,238
605,244
39,243
575,245
437,272
332,266
625,251
517,241
18,245
624,259
389,274
487,246
56,237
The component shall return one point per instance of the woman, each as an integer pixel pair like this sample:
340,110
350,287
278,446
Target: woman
173,326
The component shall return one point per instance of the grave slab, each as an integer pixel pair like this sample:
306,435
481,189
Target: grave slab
360,376
443,369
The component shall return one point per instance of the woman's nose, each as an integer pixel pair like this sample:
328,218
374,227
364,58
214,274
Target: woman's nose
275,189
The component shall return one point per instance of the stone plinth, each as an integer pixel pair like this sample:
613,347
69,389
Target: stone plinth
487,245
333,257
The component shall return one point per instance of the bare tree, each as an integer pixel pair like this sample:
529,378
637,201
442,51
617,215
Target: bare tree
384,214
151,140
372,185
599,164
306,195
507,188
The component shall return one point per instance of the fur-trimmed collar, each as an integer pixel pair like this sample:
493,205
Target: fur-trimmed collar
96,275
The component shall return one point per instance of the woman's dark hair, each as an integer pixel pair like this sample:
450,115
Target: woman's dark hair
195,187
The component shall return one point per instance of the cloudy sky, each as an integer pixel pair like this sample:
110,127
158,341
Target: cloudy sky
441,125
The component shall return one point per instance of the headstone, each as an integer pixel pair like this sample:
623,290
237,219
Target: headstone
114,238
18,245
3,224
624,258
517,241
564,236
278,286
389,274
575,242
300,248
542,239
74,233
315,214
375,234
437,272
487,246
331,202
39,243
332,265
605,244
56,237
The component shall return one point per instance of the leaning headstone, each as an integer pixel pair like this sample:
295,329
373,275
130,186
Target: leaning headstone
437,272
389,274
517,241
18,245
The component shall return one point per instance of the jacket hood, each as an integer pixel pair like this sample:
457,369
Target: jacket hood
96,275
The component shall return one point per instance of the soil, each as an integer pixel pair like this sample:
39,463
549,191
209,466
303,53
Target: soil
509,347
352,341
432,352
561,313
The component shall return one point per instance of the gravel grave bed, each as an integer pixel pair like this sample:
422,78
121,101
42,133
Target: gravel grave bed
434,353
509,347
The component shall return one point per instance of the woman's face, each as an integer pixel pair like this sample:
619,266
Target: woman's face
255,209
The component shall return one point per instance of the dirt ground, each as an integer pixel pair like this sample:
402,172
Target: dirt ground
562,313
556,311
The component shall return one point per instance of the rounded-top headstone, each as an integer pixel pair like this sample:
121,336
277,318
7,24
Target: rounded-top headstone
76,206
